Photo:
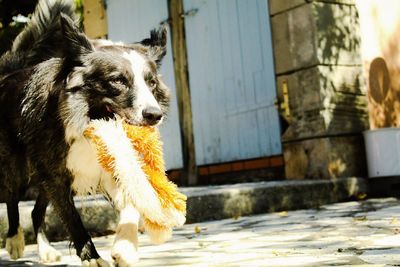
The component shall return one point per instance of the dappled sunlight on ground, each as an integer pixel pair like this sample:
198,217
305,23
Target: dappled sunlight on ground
352,233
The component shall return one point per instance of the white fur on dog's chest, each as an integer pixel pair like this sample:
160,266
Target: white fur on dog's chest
82,162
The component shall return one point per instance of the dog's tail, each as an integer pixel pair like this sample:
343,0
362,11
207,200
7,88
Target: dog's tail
41,38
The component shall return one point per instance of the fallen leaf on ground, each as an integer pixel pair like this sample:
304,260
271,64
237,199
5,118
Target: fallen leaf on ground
360,218
283,214
361,196
276,253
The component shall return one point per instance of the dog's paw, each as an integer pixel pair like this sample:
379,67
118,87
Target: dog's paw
95,263
15,245
124,254
48,254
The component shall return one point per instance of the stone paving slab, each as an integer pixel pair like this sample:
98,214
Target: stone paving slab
363,233
205,203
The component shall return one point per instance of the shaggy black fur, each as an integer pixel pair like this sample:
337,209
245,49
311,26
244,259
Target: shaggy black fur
52,83
41,38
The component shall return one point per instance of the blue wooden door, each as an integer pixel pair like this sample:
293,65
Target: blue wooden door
232,80
131,21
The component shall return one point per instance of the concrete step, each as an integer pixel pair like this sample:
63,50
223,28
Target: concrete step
204,204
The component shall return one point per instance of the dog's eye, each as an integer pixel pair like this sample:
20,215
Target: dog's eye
152,83
118,82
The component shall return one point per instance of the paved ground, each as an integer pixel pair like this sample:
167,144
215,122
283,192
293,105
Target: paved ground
365,233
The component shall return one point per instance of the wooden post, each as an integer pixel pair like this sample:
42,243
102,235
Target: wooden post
95,18
177,23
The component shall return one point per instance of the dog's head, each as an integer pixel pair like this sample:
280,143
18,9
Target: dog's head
112,80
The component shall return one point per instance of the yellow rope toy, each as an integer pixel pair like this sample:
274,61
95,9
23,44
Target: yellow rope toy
133,156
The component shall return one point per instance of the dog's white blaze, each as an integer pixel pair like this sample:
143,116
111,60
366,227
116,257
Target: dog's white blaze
144,98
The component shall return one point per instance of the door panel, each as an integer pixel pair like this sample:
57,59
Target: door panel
232,80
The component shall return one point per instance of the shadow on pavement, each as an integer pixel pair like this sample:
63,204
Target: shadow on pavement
8,263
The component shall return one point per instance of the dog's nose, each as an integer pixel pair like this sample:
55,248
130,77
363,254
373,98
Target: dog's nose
152,115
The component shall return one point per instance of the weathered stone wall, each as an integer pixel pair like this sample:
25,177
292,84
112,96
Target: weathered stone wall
325,100
317,57
325,157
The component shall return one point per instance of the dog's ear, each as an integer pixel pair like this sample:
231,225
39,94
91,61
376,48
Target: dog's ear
75,43
157,44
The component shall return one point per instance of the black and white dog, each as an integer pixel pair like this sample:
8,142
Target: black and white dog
53,82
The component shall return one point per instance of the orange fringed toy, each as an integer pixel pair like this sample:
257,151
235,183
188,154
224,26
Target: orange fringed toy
133,156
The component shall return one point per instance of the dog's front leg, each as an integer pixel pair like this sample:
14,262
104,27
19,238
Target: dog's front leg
46,252
15,242
125,248
62,199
